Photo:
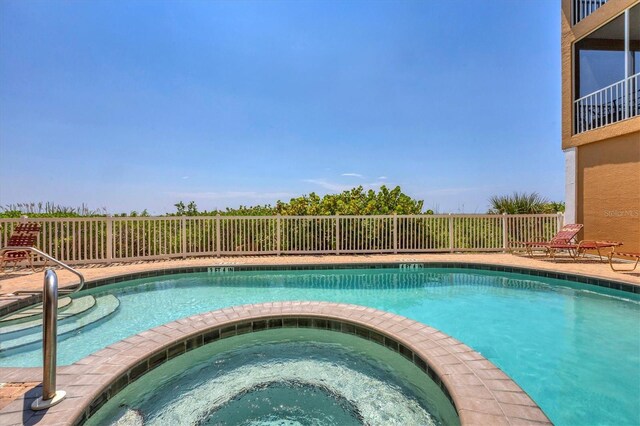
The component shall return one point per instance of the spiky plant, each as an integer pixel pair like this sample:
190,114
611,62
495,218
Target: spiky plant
518,203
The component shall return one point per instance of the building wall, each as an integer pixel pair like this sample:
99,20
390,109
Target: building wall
607,189
608,194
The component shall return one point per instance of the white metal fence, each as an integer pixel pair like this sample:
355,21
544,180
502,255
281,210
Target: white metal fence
583,8
115,239
616,102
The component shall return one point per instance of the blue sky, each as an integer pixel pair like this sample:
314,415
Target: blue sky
133,105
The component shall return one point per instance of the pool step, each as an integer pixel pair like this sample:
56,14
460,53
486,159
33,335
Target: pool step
33,312
76,307
104,306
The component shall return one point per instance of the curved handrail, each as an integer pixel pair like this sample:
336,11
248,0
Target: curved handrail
50,396
52,259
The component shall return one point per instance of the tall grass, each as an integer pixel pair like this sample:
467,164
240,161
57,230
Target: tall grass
48,209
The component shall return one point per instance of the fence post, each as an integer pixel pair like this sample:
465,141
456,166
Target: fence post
278,234
560,221
337,218
23,219
109,253
218,235
183,236
450,233
395,233
505,237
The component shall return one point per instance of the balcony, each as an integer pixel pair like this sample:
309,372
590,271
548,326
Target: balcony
614,103
583,8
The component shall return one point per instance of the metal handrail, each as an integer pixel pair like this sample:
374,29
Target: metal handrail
613,103
607,87
50,396
52,259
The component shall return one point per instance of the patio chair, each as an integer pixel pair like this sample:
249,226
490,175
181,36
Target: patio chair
635,256
23,235
564,236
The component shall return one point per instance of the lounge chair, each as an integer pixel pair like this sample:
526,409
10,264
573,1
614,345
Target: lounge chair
575,250
23,235
635,256
564,236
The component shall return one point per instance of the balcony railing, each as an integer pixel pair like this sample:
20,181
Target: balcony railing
614,103
584,8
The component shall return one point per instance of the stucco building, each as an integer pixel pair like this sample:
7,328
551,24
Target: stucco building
601,118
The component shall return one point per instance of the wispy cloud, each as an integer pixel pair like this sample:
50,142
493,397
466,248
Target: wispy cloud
382,178
454,191
185,177
331,186
339,187
358,175
226,195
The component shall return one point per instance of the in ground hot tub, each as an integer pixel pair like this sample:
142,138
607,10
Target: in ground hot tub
284,376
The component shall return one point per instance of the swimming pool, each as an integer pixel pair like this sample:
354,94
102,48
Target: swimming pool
573,348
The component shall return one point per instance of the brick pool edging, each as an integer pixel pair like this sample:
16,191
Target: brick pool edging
26,301
479,391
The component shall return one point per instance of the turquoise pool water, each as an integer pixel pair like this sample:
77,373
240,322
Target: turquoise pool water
575,350
283,377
